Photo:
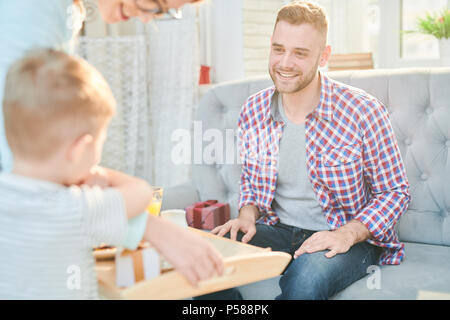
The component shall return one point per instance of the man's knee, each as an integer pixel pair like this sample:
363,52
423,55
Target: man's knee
309,277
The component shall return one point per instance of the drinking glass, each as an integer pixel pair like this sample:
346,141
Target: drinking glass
154,207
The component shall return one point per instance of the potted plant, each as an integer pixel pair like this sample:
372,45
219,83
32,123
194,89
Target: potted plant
438,25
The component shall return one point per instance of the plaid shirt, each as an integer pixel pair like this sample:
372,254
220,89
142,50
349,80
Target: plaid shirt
352,158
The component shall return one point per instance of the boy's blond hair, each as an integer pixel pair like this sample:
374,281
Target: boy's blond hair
300,12
51,99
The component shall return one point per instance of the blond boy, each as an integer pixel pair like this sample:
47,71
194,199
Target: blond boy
57,203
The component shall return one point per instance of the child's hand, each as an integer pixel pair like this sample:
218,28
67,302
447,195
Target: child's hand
98,176
194,257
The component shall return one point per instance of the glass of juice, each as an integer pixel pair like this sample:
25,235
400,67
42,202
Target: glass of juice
155,205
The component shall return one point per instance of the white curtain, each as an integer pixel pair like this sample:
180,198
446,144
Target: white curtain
154,78
173,72
122,61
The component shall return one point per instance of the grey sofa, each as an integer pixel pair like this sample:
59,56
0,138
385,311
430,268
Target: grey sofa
419,103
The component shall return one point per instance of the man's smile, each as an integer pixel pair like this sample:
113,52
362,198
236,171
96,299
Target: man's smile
287,75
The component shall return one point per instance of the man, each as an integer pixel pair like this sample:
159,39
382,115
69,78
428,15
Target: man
322,175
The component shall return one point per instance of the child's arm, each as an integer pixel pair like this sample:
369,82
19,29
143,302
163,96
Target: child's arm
136,192
193,256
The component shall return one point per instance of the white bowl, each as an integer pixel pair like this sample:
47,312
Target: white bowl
177,216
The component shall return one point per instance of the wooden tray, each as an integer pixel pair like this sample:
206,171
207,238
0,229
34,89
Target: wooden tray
104,254
243,264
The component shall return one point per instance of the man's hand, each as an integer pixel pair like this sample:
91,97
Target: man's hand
190,254
338,241
235,225
245,223
335,241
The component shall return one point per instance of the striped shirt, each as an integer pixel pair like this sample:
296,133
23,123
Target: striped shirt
352,158
47,232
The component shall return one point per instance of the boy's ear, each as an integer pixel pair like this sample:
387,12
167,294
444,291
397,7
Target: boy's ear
78,147
326,54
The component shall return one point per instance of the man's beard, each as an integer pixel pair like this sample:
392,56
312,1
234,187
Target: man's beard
300,83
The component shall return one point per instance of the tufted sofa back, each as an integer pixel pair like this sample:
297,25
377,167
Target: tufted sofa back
419,103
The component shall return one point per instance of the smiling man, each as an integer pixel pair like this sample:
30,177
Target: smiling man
322,175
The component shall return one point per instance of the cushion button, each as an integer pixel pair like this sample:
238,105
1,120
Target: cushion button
424,177
429,111
408,141
447,143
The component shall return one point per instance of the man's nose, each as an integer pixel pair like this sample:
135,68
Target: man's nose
286,61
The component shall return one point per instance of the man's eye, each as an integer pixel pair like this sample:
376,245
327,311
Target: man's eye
300,54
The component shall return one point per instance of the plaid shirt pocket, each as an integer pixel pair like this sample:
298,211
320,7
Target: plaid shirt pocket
341,170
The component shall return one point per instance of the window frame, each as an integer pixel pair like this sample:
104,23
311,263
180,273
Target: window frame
390,39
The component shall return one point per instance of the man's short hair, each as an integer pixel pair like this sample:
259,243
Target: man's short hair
300,12
51,98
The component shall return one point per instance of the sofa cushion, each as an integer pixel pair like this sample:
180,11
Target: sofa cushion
425,267
418,102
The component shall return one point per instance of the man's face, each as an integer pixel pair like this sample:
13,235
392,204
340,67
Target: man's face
114,11
295,54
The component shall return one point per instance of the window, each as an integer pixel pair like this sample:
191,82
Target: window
377,26
418,46
398,49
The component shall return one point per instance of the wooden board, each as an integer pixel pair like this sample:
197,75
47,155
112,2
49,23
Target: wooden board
243,264
356,61
432,295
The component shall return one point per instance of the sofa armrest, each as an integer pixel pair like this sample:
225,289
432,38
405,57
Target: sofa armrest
180,196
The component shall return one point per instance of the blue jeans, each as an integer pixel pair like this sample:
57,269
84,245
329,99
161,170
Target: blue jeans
311,276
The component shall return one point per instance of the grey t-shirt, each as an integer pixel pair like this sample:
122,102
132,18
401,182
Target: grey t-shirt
295,202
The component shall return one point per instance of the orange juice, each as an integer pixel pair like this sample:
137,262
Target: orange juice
154,208
155,205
